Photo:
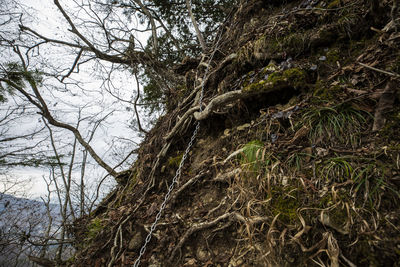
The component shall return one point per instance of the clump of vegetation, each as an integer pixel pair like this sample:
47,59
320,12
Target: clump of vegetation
252,155
285,202
327,93
294,77
175,161
94,228
298,159
366,175
337,169
329,124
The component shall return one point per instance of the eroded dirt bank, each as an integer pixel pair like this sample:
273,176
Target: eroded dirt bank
298,162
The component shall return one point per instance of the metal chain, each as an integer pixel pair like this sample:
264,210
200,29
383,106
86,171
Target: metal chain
179,170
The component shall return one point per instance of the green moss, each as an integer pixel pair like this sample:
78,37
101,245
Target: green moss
267,47
326,92
271,67
333,55
294,43
94,228
334,4
257,86
175,161
292,77
296,77
283,202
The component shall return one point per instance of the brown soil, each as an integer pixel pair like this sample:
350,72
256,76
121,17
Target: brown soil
292,177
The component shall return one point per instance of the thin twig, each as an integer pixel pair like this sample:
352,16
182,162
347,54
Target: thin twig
135,106
379,70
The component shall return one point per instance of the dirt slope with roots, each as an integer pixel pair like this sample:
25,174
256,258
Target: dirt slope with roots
297,159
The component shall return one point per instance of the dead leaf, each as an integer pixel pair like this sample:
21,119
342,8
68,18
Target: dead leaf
322,152
303,131
208,263
385,105
325,219
191,263
152,209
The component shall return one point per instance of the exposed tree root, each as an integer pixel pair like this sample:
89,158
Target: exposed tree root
181,122
227,176
233,216
195,105
228,97
195,228
160,155
186,185
215,103
219,101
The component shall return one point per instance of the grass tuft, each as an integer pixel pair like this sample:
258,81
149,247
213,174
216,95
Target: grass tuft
329,125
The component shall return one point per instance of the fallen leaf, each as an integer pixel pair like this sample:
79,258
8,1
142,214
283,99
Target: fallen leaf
385,105
191,263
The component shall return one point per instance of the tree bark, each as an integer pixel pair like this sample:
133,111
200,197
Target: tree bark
198,33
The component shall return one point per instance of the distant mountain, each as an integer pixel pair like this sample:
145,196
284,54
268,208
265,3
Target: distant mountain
26,213
23,220
7,201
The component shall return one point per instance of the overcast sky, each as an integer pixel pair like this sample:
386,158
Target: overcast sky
113,139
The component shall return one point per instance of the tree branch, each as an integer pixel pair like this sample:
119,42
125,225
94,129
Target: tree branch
153,25
140,56
198,33
73,65
135,106
44,111
50,40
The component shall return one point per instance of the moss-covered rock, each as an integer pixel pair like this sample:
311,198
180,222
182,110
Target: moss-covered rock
295,77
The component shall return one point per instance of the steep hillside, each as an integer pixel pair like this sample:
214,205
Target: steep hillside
297,159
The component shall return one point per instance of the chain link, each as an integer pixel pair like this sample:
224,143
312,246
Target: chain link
179,170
